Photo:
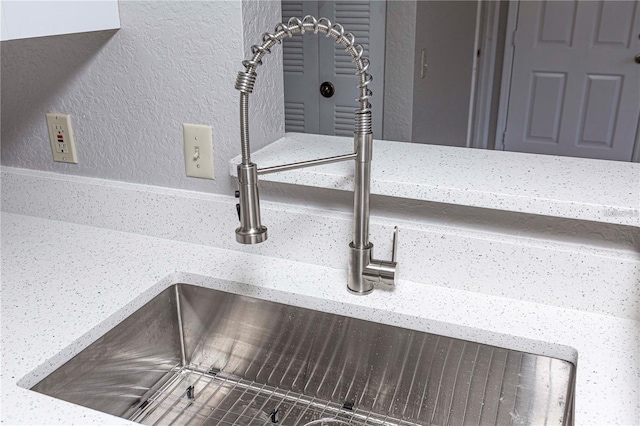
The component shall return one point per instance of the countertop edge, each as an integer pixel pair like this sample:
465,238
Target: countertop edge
533,197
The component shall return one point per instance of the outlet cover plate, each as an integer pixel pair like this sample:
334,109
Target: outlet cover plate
63,145
198,150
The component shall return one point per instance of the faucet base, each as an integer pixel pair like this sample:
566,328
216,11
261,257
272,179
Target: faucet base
358,261
360,293
365,271
254,236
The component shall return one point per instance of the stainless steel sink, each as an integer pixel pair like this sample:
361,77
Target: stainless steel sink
200,356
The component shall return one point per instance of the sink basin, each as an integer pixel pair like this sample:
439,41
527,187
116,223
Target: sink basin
199,356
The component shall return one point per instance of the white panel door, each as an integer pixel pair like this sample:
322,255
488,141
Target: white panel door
575,87
304,73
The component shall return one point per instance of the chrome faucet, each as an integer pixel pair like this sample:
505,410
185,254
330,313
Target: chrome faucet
364,270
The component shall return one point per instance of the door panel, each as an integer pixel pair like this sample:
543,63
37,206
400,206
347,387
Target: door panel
354,16
615,23
293,59
600,107
343,120
556,23
547,98
294,117
575,87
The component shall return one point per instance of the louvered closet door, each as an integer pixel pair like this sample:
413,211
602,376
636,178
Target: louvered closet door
366,20
575,87
300,61
311,60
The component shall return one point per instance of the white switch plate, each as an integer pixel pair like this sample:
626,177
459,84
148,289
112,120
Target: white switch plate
63,145
198,151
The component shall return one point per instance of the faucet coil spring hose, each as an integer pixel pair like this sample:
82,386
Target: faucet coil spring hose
245,81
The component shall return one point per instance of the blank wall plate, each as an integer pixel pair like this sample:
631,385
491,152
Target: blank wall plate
198,151
63,145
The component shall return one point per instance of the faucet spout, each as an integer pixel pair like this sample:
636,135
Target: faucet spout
364,270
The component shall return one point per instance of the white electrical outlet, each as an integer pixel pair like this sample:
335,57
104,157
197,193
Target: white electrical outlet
198,151
63,145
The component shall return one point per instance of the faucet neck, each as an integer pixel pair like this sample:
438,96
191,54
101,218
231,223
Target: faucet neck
244,128
363,146
245,80
364,270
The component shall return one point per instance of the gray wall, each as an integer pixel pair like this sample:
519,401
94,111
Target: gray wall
130,91
446,29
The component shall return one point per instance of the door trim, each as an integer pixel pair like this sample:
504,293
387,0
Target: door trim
486,90
475,74
635,157
507,67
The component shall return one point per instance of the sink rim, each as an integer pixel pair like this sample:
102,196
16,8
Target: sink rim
339,307
232,328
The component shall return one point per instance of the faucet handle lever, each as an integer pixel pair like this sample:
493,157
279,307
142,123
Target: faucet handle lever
380,271
394,251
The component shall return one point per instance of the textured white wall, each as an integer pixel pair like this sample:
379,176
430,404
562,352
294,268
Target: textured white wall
400,63
130,91
266,103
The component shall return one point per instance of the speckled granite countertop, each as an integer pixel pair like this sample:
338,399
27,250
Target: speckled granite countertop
511,181
65,284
